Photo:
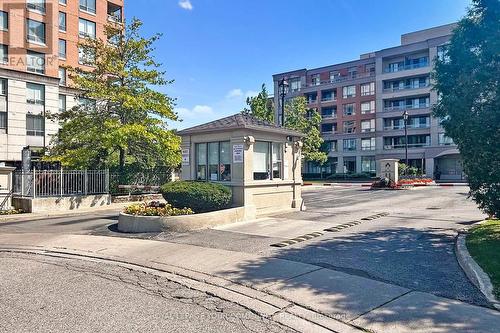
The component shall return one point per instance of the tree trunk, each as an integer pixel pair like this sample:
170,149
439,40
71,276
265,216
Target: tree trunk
122,158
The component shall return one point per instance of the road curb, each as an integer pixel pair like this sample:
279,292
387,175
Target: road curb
268,305
473,271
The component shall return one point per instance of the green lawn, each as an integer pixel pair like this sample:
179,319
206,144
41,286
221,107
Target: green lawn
483,243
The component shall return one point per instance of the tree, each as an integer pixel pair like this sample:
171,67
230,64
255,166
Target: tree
121,118
298,117
261,106
467,82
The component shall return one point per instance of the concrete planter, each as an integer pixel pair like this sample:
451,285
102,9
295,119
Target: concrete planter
182,223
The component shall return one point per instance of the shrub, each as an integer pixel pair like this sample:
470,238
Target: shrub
384,183
156,208
11,211
199,196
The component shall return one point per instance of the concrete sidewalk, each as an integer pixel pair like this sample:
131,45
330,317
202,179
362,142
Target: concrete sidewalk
314,297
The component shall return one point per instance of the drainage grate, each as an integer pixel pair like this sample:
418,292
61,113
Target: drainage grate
353,223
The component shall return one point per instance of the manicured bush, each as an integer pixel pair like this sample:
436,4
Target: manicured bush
199,196
156,208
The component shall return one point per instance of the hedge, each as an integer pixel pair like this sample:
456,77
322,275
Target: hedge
199,196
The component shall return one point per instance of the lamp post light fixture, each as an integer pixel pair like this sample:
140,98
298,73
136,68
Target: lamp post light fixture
283,89
405,118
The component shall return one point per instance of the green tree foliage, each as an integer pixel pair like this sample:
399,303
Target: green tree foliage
261,106
467,81
121,118
298,117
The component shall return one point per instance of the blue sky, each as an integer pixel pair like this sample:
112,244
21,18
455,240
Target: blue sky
220,51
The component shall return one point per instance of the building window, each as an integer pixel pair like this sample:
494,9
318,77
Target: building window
35,62
277,159
3,120
62,103
414,141
35,93
327,128
36,5
62,76
87,6
315,80
444,140
261,160
368,125
4,54
3,104
368,144
349,109
86,56
36,31
213,161
86,28
349,144
368,89
349,127
62,21
3,87
349,91
35,125
62,2
329,112
368,164
62,49
368,107
295,84
328,95
267,156
329,146
4,20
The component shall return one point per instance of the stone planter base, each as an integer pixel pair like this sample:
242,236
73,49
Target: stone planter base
183,223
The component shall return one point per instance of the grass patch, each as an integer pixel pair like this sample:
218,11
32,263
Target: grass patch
483,243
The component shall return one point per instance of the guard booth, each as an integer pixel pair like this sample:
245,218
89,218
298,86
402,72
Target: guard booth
260,161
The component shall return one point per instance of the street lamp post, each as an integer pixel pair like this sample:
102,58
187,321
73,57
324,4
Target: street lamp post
282,86
405,118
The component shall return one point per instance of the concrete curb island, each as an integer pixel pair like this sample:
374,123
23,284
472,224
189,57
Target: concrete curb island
182,223
473,271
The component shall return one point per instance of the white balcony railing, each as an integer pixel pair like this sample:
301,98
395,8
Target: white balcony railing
407,107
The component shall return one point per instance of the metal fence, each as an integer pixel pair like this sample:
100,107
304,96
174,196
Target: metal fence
59,183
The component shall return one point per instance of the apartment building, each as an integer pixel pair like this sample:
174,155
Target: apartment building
362,103
37,39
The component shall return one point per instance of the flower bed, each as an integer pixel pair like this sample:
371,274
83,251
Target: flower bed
156,208
11,211
415,181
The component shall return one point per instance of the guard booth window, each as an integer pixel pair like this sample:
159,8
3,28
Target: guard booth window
267,156
213,161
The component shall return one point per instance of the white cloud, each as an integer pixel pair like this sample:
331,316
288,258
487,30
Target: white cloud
234,93
197,111
251,93
186,4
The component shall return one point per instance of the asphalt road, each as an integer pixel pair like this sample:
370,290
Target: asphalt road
44,294
412,247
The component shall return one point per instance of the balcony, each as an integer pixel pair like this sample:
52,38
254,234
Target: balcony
410,126
342,78
114,13
407,107
328,99
402,146
312,101
367,130
401,68
329,116
409,87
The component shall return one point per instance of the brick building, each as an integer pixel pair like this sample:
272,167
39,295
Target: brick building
37,39
362,104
